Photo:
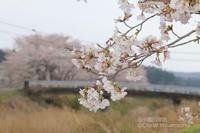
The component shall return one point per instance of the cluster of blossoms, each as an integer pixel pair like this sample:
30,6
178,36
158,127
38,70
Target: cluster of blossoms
83,58
98,98
186,115
164,30
126,6
169,11
126,51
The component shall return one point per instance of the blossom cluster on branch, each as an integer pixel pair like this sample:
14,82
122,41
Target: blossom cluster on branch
126,51
98,98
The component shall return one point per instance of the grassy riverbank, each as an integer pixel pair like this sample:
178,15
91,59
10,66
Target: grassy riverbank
63,114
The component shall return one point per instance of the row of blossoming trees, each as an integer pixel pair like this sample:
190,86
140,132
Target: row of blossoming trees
125,50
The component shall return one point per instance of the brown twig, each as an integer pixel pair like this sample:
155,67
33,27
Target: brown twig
140,24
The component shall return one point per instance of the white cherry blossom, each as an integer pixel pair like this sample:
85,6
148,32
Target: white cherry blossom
91,100
125,6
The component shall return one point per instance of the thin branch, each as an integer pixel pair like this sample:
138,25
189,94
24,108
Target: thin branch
140,23
180,38
193,40
175,33
139,61
127,25
94,72
100,46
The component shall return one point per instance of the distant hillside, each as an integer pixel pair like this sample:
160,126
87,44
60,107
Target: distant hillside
159,76
187,75
188,79
2,55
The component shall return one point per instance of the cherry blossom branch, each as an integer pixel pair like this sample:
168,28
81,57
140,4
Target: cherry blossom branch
140,24
172,30
193,40
125,23
126,51
182,37
101,46
143,56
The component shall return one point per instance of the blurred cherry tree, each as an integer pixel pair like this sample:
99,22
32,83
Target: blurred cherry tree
41,58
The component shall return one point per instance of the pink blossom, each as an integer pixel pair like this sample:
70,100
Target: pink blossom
157,61
198,28
166,55
165,36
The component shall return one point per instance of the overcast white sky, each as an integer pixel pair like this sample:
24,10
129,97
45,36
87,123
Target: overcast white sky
91,22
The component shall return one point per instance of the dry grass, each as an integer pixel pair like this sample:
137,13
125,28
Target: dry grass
21,115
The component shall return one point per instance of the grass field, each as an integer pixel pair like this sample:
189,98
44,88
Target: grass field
63,114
